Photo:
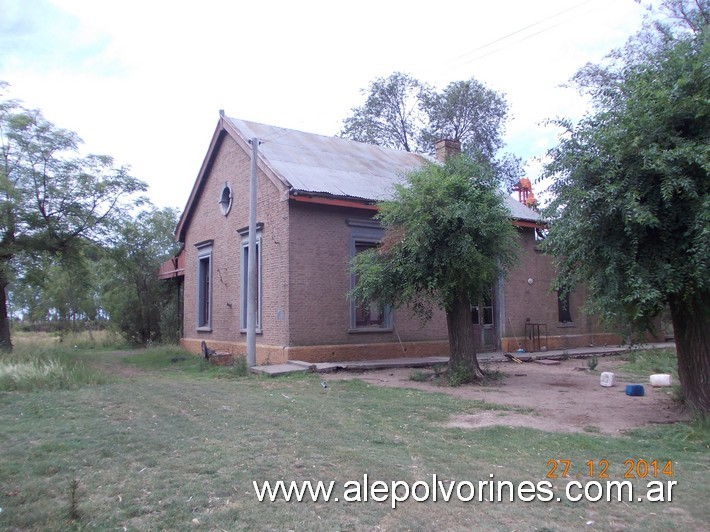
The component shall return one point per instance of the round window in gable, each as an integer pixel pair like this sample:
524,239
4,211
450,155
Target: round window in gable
225,200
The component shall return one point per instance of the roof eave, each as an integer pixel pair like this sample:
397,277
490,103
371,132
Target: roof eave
335,201
518,222
200,181
373,205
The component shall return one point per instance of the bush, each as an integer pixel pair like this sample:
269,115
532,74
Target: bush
170,324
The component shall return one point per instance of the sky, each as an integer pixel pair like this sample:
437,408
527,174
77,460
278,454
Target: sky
144,80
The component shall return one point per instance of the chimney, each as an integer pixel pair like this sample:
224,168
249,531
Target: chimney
445,148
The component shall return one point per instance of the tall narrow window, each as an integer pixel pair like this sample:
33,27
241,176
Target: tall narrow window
366,316
244,258
564,310
368,313
204,285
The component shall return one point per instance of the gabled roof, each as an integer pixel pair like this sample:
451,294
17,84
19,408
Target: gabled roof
307,164
316,164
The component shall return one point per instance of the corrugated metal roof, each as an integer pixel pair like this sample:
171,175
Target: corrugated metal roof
317,164
520,211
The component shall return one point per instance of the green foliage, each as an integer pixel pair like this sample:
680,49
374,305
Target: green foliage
240,368
631,216
170,318
73,511
391,116
631,213
176,359
493,376
459,376
61,288
448,239
421,376
455,377
116,280
466,111
403,113
131,293
447,233
593,362
51,199
29,372
647,361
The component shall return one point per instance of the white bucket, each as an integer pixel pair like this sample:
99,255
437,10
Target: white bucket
660,379
606,379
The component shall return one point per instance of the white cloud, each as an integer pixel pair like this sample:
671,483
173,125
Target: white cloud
143,81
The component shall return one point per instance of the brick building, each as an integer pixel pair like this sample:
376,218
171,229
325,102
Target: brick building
315,207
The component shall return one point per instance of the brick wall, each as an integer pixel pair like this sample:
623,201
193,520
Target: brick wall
305,279
232,165
535,302
320,281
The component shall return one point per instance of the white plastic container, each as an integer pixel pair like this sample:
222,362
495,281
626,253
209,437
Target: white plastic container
660,379
606,379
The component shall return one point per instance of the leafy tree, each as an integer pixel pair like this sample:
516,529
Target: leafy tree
631,214
448,237
391,116
469,112
405,114
58,288
132,295
51,199
70,289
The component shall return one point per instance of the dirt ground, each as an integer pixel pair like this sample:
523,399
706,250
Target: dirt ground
563,398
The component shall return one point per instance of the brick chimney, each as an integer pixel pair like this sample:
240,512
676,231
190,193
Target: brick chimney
445,148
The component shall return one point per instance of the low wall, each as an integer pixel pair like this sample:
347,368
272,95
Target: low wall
275,354
265,354
343,352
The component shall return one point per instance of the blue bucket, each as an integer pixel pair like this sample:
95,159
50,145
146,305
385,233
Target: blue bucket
634,389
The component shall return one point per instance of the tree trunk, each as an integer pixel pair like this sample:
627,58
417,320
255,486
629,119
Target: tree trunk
462,347
691,326
5,340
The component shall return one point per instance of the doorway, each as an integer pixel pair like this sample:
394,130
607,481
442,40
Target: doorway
483,317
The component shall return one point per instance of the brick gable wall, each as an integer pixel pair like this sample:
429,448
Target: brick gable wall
232,165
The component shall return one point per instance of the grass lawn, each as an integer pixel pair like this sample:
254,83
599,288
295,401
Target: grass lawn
172,445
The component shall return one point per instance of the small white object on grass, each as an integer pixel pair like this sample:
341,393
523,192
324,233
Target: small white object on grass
324,384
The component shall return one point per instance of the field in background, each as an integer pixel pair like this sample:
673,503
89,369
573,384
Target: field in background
173,444
54,361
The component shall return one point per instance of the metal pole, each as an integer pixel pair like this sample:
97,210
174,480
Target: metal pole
252,277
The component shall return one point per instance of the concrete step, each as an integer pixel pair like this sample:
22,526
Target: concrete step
277,370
